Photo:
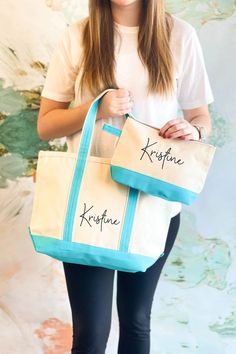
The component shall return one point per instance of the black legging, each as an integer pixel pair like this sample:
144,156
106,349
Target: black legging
90,292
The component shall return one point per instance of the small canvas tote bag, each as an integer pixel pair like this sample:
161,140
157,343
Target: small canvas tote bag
80,215
172,169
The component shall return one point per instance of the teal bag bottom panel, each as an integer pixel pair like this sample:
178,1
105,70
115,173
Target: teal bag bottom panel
152,186
72,252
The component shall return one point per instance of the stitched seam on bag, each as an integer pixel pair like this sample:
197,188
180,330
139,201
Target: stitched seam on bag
56,154
78,204
131,233
75,196
133,229
103,163
74,158
72,195
123,217
36,204
128,221
67,201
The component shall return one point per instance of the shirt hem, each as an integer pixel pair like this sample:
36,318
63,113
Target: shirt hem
196,104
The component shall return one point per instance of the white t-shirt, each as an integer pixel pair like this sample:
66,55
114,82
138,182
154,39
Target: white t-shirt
192,88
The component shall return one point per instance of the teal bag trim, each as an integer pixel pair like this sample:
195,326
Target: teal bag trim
77,180
152,186
78,253
79,170
129,219
112,130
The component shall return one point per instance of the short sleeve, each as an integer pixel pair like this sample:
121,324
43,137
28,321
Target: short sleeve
194,88
61,74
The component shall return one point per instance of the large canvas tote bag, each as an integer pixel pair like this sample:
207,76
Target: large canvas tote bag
80,215
172,169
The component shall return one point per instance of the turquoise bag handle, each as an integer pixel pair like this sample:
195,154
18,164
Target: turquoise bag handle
83,153
82,156
88,127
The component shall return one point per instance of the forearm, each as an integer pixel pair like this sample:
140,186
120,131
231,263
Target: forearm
58,123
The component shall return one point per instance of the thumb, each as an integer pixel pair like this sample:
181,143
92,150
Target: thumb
122,92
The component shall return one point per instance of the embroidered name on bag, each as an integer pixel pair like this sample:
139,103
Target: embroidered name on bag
91,219
164,157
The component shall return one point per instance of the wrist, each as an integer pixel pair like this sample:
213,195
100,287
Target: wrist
201,132
196,133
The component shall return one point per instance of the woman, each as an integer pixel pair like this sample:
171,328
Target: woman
155,63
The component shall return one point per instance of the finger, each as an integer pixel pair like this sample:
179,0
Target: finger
122,92
124,111
183,129
174,128
169,124
186,137
125,106
179,134
123,100
120,110
114,112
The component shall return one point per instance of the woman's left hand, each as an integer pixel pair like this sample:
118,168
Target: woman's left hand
179,128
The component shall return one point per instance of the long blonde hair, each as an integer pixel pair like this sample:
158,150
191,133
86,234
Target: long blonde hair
98,60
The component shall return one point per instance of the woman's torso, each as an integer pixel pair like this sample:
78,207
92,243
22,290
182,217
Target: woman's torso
130,74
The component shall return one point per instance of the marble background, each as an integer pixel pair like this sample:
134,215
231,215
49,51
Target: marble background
194,310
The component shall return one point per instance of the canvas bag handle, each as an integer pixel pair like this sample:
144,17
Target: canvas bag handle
80,165
88,128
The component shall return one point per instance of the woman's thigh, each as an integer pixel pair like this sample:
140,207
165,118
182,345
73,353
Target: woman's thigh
135,291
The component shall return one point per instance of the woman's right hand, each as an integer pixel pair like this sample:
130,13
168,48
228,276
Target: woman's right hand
115,104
